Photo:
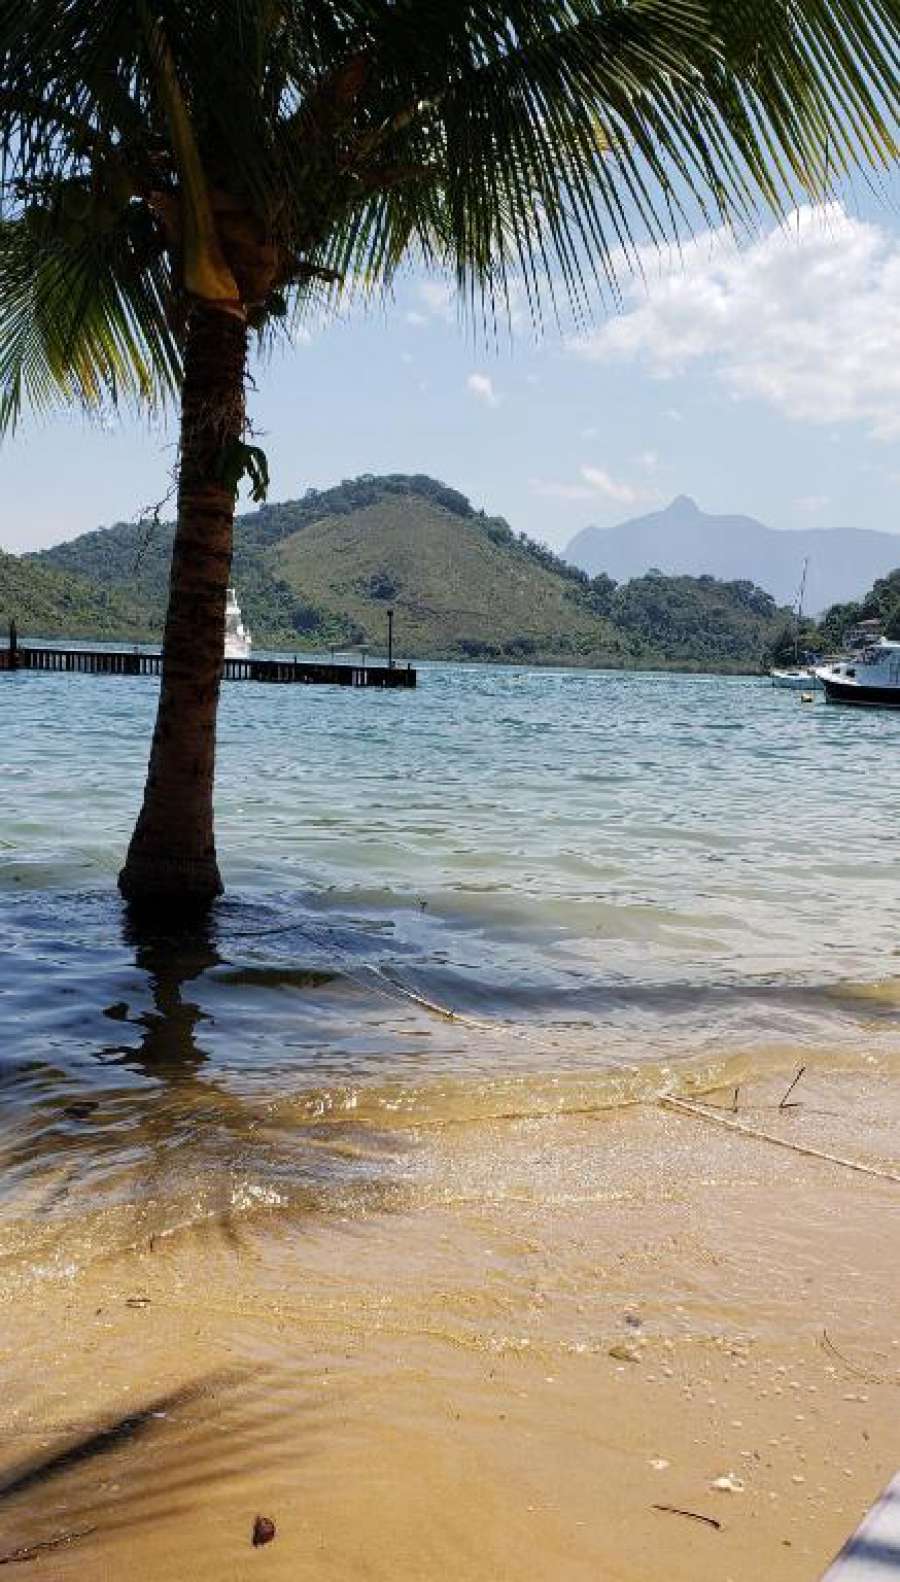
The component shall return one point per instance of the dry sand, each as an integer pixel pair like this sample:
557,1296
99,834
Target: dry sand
499,1368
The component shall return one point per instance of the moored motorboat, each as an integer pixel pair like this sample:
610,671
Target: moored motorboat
238,641
799,679
869,679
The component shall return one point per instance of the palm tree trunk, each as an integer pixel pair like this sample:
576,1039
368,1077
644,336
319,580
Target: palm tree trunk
172,855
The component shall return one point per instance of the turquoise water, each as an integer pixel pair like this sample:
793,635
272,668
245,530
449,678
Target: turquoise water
613,882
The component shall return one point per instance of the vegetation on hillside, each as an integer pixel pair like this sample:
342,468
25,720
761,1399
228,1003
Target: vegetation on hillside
47,602
322,571
698,619
826,635
882,603
460,583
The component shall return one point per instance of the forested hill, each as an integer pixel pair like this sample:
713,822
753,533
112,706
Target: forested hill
881,603
324,570
52,602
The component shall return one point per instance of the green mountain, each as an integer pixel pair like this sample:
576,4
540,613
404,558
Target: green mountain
323,571
53,603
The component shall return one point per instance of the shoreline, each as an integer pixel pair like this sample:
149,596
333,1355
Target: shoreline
554,1326
377,656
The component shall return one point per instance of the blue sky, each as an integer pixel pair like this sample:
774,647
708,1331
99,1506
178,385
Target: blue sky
763,379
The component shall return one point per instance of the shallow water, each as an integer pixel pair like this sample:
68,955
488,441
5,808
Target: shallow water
614,882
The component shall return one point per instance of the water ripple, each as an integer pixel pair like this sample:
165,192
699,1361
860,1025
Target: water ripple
599,875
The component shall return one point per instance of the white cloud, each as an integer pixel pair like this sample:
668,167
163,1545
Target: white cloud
416,318
649,460
812,502
807,318
596,484
611,489
435,299
482,387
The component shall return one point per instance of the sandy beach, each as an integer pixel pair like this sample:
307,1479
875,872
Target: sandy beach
536,1335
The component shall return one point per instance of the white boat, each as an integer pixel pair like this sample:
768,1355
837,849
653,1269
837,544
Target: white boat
870,679
238,641
800,679
797,677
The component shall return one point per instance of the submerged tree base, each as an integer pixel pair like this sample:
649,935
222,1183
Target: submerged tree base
150,883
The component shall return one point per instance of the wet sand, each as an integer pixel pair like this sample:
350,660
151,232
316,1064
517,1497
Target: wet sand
497,1366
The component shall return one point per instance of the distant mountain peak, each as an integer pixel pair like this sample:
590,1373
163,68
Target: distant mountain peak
683,540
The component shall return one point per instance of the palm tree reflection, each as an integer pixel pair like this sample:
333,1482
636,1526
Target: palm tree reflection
169,1049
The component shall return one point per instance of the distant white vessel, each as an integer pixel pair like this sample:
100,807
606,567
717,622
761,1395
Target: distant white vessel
238,641
797,677
801,679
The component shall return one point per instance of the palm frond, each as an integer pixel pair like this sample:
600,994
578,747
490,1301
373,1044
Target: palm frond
546,142
686,119
82,322
536,141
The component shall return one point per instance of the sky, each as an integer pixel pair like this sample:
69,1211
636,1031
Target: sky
761,379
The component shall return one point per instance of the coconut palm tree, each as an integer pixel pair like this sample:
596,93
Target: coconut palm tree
180,177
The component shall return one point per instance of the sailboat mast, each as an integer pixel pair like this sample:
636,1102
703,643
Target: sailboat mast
800,597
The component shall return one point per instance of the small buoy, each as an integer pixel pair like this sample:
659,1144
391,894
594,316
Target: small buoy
807,697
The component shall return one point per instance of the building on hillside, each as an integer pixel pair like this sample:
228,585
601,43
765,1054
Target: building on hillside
863,633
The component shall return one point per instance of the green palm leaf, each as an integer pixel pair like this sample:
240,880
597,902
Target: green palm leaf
83,321
535,139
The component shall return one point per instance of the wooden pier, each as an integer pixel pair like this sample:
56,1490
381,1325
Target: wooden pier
135,662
